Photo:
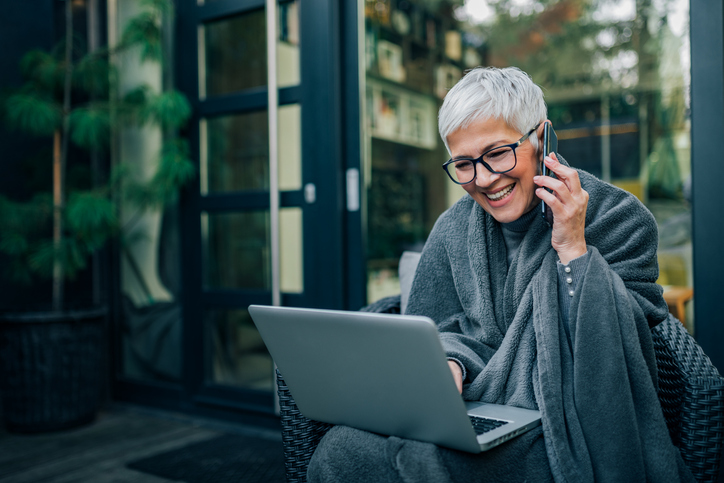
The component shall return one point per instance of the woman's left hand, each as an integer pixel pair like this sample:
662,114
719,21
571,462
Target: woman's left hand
568,202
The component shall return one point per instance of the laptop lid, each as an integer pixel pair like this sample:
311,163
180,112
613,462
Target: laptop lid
382,373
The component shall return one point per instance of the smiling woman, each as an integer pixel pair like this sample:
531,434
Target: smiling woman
532,313
616,80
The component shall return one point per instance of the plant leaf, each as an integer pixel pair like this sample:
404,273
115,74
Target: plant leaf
161,6
132,103
68,253
13,244
90,127
25,219
91,219
170,109
174,171
43,69
33,113
93,74
144,31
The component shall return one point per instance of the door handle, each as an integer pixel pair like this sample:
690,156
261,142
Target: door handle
310,193
353,189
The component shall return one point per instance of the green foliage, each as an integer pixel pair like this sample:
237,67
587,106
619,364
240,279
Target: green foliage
175,169
169,109
562,43
94,75
42,69
33,112
23,225
90,216
144,31
70,253
91,126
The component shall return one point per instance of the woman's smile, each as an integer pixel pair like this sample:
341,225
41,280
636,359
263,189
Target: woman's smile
505,196
501,194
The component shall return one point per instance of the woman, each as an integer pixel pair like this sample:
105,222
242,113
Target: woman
536,315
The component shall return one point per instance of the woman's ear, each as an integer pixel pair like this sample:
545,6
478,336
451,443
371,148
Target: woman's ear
539,135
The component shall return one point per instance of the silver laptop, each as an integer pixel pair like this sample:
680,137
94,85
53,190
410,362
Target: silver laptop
382,373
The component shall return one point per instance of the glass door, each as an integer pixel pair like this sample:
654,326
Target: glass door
264,217
236,214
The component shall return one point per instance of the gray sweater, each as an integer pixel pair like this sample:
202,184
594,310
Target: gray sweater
568,275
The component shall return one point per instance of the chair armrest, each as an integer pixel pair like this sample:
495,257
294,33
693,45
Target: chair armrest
300,435
691,393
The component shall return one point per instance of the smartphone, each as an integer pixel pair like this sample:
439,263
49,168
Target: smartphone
550,145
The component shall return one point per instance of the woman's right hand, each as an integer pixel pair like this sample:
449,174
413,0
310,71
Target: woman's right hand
457,373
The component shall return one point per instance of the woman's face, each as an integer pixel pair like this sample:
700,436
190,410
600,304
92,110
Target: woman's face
481,136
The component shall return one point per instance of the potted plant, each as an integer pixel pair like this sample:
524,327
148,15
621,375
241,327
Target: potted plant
51,359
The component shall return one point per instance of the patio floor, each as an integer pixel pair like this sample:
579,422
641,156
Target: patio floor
100,452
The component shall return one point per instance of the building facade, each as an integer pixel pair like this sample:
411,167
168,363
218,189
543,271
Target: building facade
312,202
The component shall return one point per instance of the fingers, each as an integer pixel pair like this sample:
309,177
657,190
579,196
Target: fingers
568,175
561,196
457,375
565,195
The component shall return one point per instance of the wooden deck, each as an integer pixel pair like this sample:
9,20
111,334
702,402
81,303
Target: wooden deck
99,452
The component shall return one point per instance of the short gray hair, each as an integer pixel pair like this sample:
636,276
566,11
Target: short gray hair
491,93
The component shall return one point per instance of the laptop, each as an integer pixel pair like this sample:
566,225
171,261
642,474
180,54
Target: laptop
382,373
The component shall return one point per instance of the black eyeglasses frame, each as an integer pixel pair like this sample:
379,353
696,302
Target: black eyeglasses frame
487,166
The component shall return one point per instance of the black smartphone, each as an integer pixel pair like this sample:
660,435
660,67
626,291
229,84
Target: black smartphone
550,145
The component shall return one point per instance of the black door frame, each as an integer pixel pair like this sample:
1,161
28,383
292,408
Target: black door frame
320,95
707,172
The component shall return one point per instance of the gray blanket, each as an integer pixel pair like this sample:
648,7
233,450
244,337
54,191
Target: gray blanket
602,420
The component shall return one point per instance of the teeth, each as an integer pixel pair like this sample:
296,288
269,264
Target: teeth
500,194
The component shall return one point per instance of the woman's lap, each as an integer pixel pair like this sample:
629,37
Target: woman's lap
355,456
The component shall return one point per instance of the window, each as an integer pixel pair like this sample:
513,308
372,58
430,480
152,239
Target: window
615,79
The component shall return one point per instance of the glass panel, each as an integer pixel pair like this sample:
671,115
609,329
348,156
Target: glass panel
235,153
236,250
239,356
288,72
291,250
151,285
290,147
615,74
232,54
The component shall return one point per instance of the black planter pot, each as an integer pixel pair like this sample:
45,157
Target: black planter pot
51,371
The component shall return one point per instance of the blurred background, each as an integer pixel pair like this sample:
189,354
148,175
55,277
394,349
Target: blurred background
356,160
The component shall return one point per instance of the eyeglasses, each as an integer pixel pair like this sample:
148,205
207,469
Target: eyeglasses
498,160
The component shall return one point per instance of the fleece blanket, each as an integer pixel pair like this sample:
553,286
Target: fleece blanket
596,389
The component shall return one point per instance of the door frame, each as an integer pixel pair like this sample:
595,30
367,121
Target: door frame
320,96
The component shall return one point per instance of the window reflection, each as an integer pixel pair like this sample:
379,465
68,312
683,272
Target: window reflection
240,358
615,75
233,54
235,153
236,250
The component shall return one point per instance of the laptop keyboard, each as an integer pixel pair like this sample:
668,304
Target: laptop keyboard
483,425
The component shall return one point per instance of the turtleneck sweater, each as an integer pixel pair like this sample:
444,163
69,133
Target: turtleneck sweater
568,275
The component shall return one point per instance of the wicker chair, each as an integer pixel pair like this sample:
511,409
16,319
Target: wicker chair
691,393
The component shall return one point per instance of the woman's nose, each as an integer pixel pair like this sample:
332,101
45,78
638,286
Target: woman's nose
483,177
